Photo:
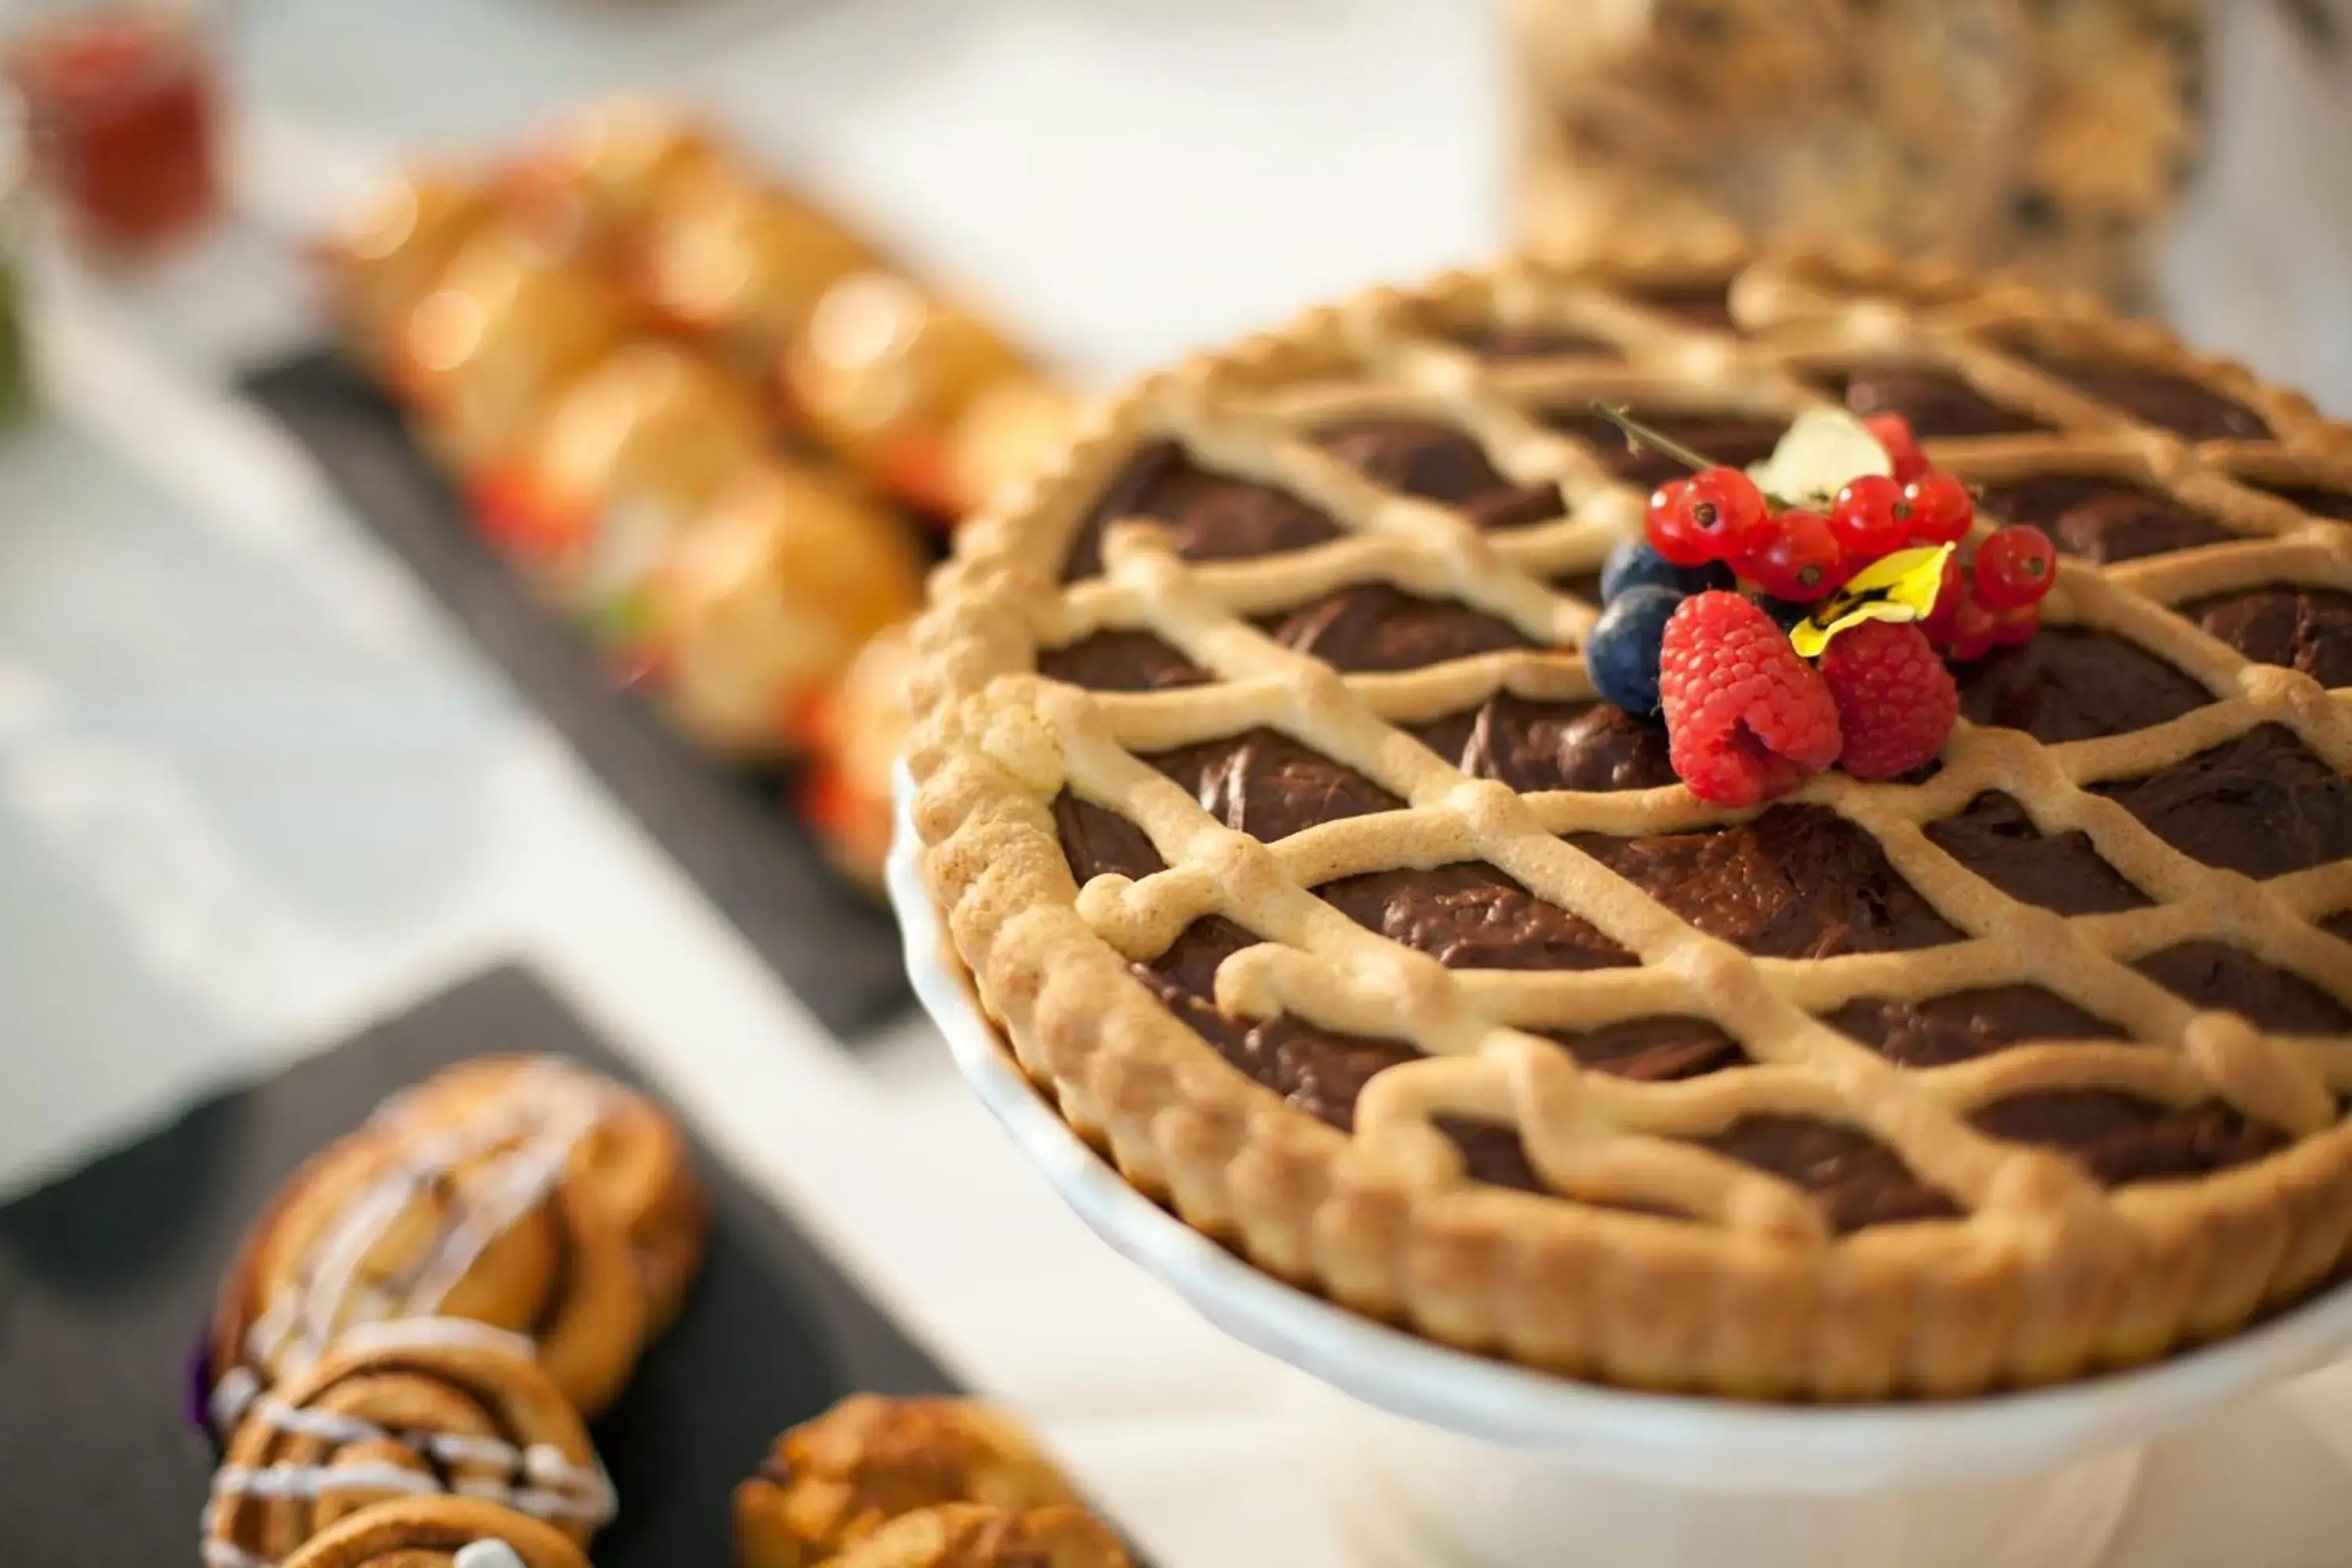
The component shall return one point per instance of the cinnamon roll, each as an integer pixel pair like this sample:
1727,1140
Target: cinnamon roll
439,1532
833,1482
972,1535
401,1410
632,1159
474,1215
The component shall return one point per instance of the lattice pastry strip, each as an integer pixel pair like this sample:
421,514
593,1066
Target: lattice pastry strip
1583,1132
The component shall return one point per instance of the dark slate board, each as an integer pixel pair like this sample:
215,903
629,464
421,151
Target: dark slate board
107,1275
733,830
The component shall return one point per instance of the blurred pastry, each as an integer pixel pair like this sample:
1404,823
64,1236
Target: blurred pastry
394,250
433,1405
1010,431
630,1158
886,374
858,730
833,1482
596,173
423,1214
725,254
614,469
508,324
2051,135
434,1532
969,1535
765,601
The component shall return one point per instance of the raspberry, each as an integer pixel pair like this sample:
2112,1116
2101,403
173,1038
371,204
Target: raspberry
1746,718
1896,701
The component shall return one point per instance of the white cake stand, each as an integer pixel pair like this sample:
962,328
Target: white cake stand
1447,1458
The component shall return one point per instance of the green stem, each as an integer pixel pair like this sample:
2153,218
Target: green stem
1638,436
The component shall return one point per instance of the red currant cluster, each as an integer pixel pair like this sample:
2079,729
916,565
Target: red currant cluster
1995,601
1798,554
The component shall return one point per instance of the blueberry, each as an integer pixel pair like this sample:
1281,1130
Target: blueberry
1622,652
1633,565
1785,612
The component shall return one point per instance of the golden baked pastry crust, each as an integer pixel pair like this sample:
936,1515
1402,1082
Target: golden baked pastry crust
2044,1276
831,1483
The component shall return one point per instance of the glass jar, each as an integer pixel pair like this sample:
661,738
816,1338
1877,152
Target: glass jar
16,237
2049,134
122,103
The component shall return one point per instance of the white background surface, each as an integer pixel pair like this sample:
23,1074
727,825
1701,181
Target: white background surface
253,789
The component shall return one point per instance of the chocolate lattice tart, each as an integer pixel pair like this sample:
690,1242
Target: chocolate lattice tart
1273,811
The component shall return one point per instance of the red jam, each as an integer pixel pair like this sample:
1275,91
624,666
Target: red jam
123,109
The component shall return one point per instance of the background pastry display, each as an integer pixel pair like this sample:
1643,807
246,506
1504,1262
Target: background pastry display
702,418
914,1483
428,1312
2052,136
439,1532
403,1409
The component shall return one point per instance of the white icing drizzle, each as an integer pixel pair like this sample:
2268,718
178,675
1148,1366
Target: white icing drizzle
434,1333
487,1554
548,1104
234,1391
308,1481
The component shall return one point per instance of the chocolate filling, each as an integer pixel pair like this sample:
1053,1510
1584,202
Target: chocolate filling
2215,975
1995,838
1441,464
2123,1139
1535,746
2071,683
2262,803
1798,881
1376,627
1472,916
1707,305
1207,516
1269,787
1938,404
1857,1179
2320,500
2102,521
2309,629
1961,1024
1532,342
1120,662
2169,401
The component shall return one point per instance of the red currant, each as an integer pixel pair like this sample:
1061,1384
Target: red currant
1951,593
2014,627
1871,518
1670,531
1800,562
1724,506
1973,629
1941,508
1892,431
2015,566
